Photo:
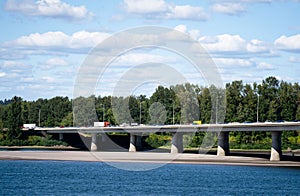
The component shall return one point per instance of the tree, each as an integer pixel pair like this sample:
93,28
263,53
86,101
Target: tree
233,98
84,111
158,114
14,119
269,99
189,104
205,105
166,97
288,101
67,121
248,105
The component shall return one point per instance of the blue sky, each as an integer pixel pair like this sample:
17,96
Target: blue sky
44,42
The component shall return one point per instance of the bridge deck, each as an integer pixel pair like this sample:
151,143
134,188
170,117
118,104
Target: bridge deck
286,126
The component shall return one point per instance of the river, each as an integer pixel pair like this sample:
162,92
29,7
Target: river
96,178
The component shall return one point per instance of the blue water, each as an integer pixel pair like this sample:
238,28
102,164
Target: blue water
93,178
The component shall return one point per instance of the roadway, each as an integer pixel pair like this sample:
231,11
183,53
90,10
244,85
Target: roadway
268,126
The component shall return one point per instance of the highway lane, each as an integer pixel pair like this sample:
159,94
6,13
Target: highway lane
284,126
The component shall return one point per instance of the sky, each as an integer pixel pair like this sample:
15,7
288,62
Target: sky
45,43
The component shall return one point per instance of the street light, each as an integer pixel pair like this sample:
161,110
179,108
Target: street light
173,113
39,117
140,112
257,107
103,112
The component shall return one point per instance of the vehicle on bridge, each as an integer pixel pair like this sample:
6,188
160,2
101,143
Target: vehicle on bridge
101,124
197,122
29,126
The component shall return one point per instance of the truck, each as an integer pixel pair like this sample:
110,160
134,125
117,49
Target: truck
29,126
197,122
101,124
134,124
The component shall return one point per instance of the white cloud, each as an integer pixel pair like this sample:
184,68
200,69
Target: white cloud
223,43
229,8
181,28
291,43
194,33
47,39
48,79
52,63
233,62
56,62
58,40
233,44
49,8
145,6
15,67
257,46
2,74
140,58
187,12
161,10
265,66
294,59
234,7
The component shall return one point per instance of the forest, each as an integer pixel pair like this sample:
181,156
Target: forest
271,100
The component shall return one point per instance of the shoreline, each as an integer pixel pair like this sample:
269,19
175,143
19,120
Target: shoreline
143,157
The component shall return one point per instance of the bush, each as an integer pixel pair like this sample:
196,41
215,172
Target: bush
14,142
44,141
155,140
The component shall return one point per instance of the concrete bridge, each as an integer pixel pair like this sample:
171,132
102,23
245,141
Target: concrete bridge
179,130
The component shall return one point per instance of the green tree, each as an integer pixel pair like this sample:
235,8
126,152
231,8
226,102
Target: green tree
14,119
67,121
189,104
269,100
288,101
249,105
204,98
233,98
84,111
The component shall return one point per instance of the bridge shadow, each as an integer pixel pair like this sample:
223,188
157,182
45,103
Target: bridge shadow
286,156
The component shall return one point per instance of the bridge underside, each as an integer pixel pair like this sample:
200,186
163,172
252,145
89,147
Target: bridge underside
177,143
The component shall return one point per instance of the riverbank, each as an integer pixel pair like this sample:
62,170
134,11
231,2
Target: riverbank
143,157
28,148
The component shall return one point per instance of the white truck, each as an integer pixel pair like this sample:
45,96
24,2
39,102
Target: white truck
29,126
101,124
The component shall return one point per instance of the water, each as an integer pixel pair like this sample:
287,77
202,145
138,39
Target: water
93,178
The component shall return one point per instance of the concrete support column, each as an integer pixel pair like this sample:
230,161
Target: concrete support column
177,143
94,142
276,146
132,145
138,141
61,136
223,144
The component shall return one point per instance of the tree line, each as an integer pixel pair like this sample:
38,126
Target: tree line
271,100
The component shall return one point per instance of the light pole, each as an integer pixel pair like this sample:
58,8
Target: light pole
140,112
257,107
173,112
39,117
217,101
103,114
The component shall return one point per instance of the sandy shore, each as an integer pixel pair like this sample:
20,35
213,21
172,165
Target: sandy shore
148,157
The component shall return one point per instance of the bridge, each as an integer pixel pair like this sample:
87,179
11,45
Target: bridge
178,131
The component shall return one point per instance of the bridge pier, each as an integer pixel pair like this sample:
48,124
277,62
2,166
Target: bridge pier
138,141
223,144
94,142
276,146
132,145
177,143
